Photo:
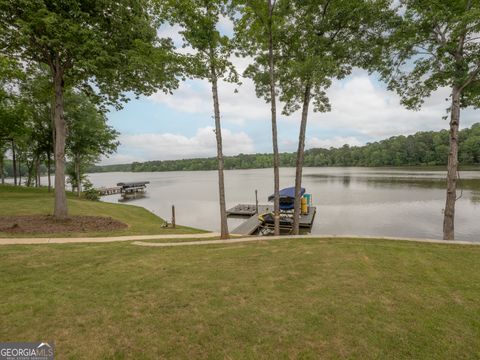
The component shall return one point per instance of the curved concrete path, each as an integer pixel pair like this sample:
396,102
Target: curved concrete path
268,238
28,241
140,239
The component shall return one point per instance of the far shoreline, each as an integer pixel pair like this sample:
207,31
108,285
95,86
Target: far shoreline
413,168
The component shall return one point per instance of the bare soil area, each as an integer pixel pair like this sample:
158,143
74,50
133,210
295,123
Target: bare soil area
46,224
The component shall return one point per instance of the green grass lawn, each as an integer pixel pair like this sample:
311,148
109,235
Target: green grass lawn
328,299
29,201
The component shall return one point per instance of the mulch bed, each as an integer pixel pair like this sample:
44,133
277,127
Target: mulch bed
46,224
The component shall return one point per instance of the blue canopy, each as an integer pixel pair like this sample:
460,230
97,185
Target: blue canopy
287,194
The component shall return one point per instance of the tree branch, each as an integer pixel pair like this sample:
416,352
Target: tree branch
471,77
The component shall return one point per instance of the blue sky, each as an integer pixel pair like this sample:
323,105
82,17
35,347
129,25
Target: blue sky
164,127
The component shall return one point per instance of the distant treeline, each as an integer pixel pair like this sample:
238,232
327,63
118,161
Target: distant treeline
424,148
22,167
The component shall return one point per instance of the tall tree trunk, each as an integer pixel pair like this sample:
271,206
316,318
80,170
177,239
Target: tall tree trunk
30,172
60,210
49,171
37,171
19,173
300,156
452,167
77,174
218,134
276,156
14,163
2,174
52,112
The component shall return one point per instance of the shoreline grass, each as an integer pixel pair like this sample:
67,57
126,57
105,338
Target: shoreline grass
309,298
31,201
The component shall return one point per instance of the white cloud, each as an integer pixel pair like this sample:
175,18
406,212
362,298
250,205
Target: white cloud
168,146
336,142
358,105
195,97
237,103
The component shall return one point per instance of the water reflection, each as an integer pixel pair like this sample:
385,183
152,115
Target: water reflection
346,181
363,201
400,181
475,197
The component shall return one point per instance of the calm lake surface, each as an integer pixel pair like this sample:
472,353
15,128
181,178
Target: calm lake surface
349,201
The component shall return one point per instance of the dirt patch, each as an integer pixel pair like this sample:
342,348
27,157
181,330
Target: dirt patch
48,225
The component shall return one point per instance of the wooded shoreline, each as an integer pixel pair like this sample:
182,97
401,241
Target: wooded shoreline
424,149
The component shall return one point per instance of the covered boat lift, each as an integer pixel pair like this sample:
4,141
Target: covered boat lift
133,189
259,217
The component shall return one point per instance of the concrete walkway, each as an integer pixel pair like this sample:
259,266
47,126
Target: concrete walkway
140,239
269,238
25,241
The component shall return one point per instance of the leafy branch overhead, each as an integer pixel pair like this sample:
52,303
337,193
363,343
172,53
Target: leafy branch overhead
107,48
433,45
206,46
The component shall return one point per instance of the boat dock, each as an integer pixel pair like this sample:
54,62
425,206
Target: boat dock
126,189
251,225
248,210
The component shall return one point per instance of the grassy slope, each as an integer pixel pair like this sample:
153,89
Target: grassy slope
339,298
27,201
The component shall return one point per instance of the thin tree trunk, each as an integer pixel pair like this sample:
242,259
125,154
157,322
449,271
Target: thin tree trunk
37,171
52,111
276,156
77,174
300,156
19,173
218,134
452,168
14,163
60,211
30,173
49,172
2,174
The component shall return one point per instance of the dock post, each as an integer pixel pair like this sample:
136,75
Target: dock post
256,201
173,216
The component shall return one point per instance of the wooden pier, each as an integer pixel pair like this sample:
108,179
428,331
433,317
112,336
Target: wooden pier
109,191
252,224
248,227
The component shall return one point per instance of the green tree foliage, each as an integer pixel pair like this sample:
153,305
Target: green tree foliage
430,45
257,36
36,99
110,44
89,136
12,111
320,41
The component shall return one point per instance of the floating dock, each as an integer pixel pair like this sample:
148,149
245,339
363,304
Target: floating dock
252,224
248,210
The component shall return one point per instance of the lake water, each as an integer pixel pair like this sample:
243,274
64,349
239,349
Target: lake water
349,201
